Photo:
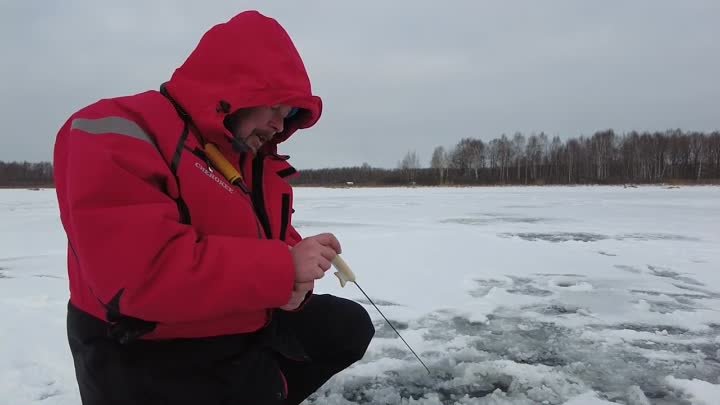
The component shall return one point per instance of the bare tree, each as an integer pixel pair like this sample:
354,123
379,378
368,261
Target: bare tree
409,164
440,162
533,153
603,144
518,151
629,154
697,151
573,153
504,150
713,153
469,154
556,148
493,154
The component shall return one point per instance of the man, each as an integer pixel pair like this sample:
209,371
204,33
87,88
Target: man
188,282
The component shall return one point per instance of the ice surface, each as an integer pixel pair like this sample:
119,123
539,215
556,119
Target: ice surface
511,295
698,392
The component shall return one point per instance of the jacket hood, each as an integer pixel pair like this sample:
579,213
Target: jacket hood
247,61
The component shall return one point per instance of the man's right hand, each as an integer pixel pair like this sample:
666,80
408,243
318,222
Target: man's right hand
312,257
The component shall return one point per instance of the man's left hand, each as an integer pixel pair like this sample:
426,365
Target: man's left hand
298,296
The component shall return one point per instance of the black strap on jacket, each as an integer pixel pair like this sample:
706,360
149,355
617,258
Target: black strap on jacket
175,161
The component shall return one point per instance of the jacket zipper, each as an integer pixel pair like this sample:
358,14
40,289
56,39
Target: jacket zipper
257,195
258,202
285,215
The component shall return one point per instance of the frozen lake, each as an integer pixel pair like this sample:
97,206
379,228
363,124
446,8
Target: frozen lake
516,295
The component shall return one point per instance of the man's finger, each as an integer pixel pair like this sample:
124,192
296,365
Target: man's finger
324,263
328,253
329,240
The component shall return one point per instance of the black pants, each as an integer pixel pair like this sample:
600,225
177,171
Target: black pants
284,364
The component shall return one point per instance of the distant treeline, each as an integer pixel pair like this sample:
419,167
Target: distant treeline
603,158
26,174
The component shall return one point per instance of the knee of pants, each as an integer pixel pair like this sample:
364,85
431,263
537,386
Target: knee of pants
364,331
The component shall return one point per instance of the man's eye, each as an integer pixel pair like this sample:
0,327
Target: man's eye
280,110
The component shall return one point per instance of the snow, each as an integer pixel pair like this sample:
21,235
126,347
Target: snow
698,392
511,295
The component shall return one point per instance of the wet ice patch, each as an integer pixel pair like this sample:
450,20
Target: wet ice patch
512,285
680,297
629,269
698,292
495,220
669,273
656,236
570,285
557,237
527,286
557,309
668,306
49,276
664,330
663,272
604,253
383,330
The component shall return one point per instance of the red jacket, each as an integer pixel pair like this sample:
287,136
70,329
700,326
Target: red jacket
155,233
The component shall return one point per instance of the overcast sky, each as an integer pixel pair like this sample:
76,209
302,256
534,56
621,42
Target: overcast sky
394,75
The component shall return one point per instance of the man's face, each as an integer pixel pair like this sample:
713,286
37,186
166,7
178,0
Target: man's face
257,125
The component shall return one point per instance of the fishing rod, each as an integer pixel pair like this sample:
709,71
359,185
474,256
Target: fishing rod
343,273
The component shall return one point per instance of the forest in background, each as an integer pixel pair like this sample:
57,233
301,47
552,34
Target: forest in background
672,156
603,158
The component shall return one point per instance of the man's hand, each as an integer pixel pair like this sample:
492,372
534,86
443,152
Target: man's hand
296,299
312,257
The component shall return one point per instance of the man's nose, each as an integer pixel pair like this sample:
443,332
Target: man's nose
277,123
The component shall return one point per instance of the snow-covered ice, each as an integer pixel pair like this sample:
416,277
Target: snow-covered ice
511,295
